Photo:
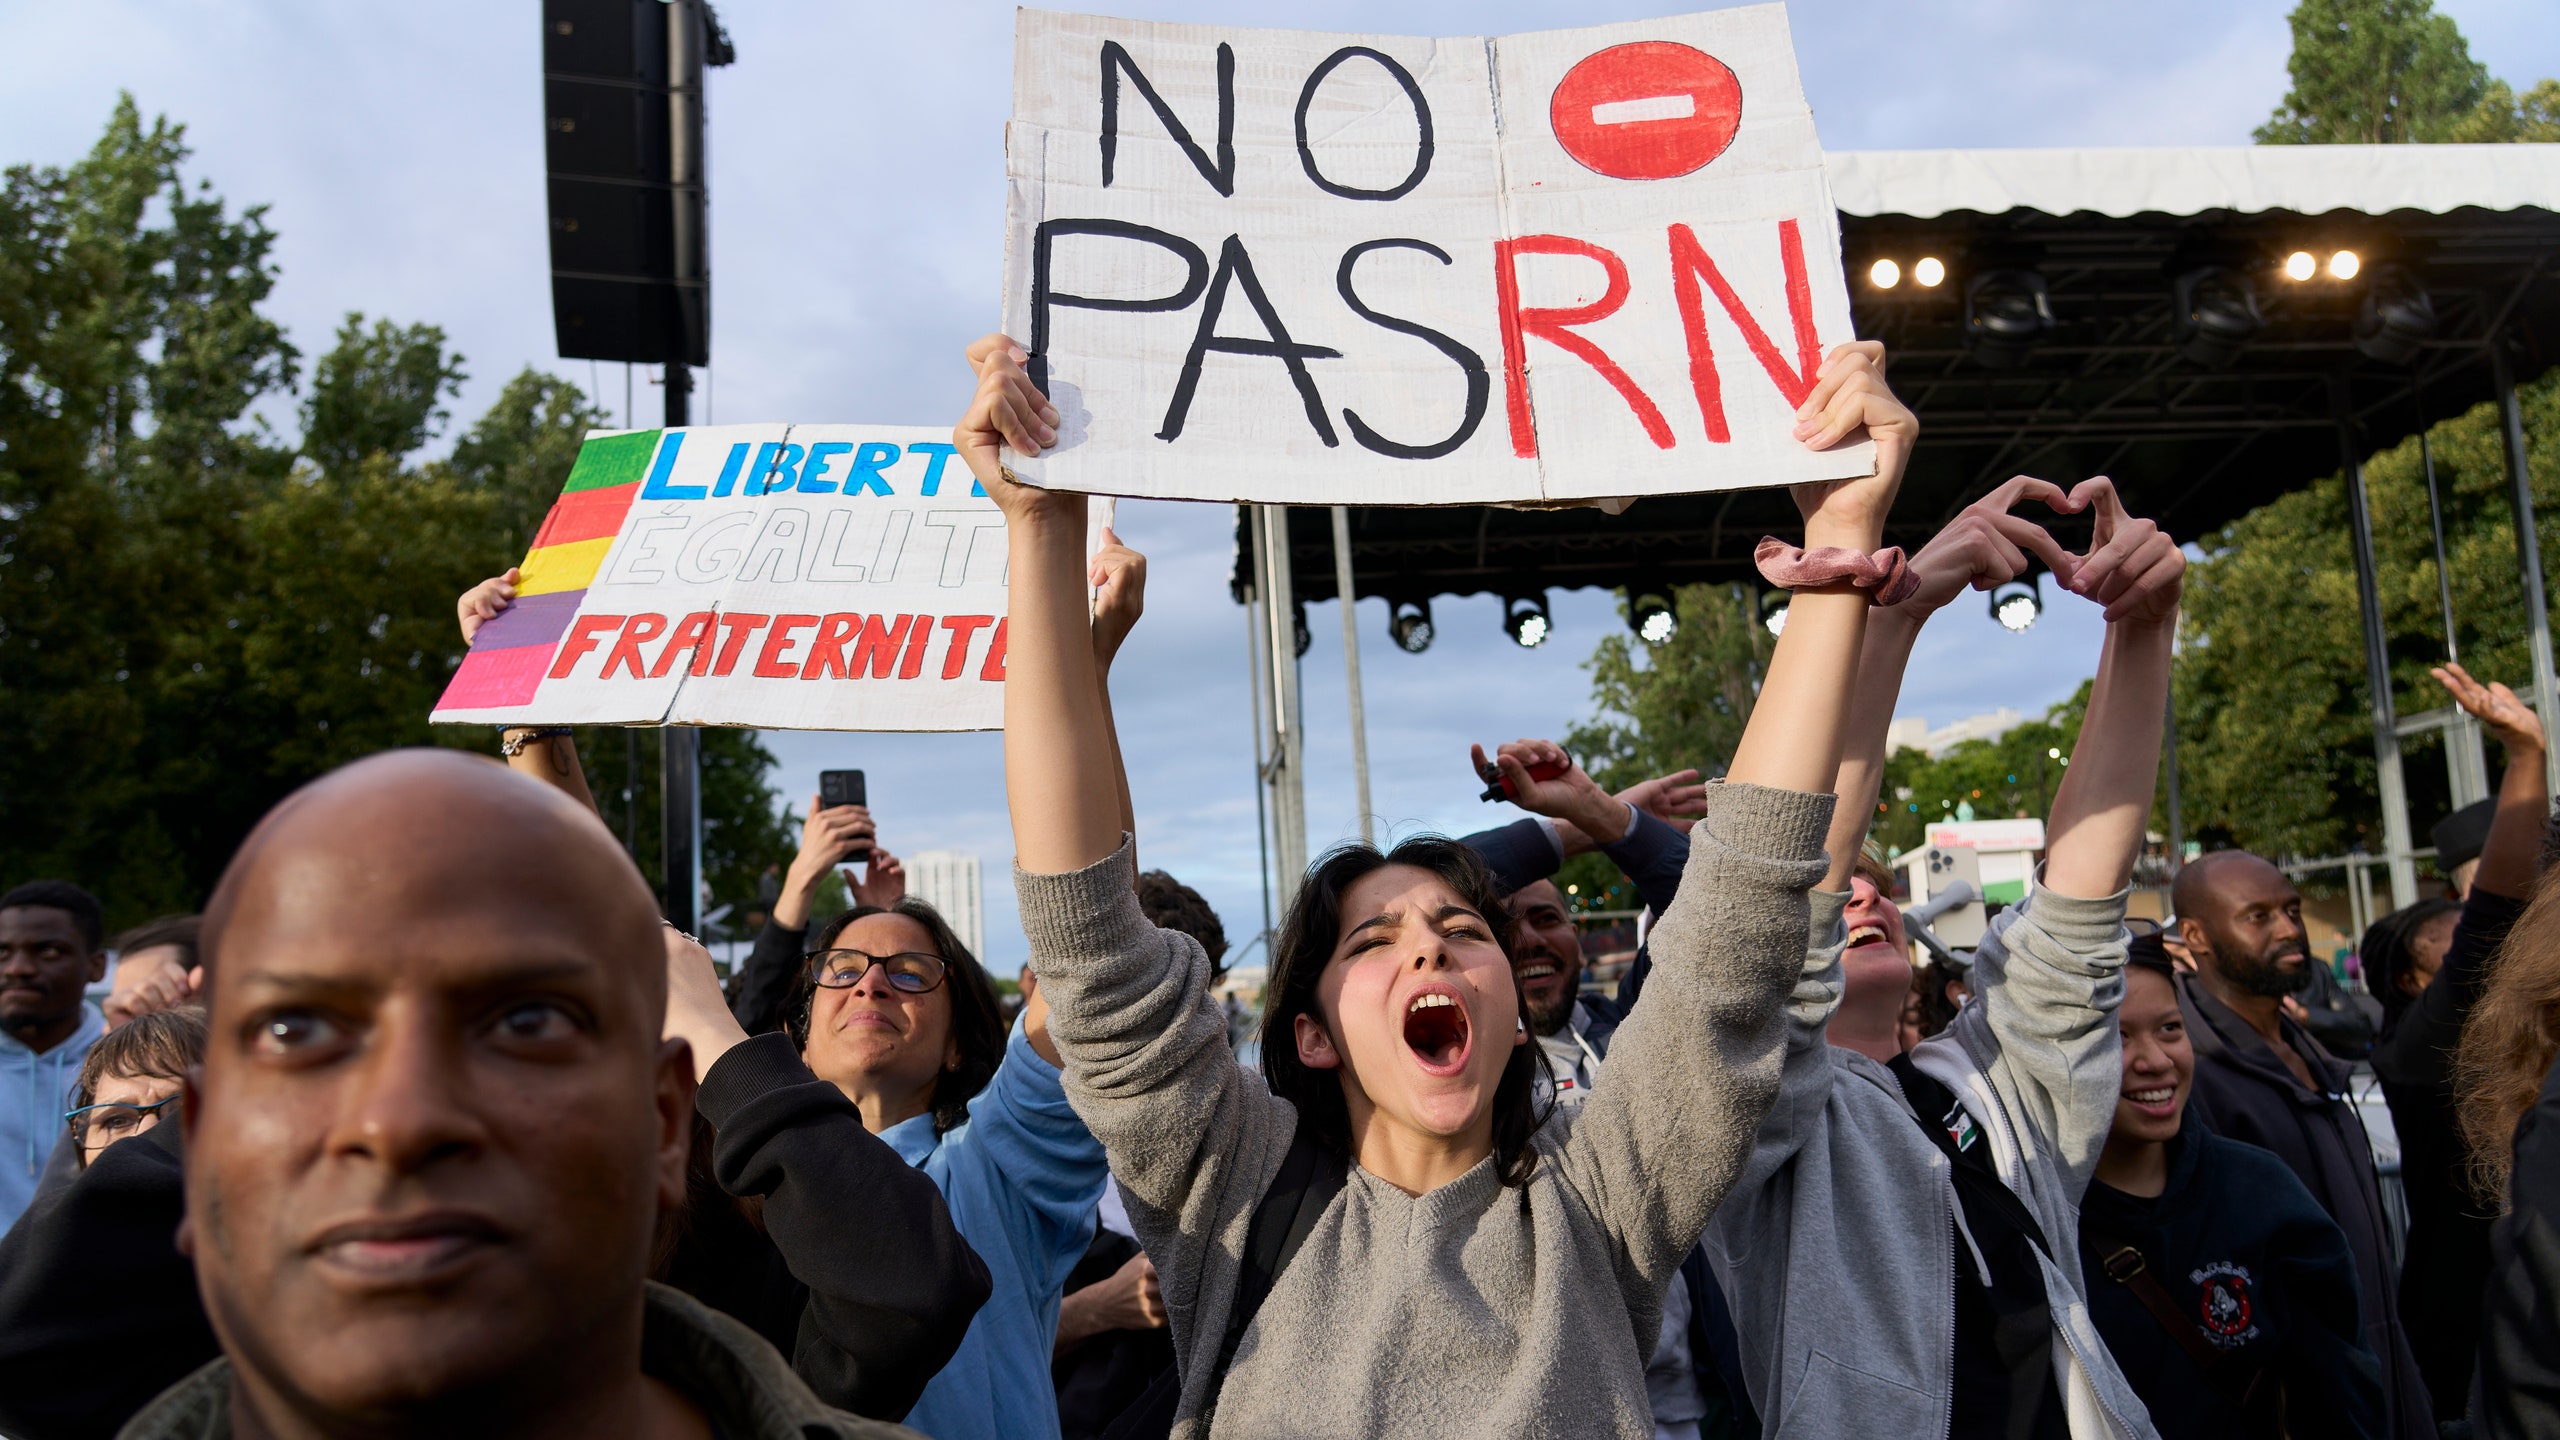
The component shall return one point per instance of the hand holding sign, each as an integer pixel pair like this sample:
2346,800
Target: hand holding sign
1850,398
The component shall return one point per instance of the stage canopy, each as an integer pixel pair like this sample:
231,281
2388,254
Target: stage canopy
2098,312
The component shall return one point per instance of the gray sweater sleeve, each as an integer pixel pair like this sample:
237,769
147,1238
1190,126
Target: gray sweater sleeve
1805,1078
1193,1137
1693,1070
2043,1025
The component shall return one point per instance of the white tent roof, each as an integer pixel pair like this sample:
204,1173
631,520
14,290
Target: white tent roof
2302,179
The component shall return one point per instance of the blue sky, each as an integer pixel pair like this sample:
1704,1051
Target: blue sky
856,166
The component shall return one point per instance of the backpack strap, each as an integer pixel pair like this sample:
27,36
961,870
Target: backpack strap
2125,1264
1310,1176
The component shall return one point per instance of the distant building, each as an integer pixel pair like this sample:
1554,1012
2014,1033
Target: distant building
948,881
1913,733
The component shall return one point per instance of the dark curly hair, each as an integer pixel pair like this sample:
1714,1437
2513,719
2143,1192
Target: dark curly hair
976,1022
1171,905
1307,938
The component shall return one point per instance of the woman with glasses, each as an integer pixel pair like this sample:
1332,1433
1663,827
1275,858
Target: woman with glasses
894,1011
130,1080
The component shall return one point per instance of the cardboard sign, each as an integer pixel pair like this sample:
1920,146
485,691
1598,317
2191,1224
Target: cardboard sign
1284,266
809,577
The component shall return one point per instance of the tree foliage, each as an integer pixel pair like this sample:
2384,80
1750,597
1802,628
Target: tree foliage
198,615
2274,722
2376,72
1678,705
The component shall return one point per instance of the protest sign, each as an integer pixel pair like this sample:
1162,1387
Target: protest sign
809,577
1295,267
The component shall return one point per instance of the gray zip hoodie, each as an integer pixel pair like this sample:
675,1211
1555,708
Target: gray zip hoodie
1836,1246
1476,1309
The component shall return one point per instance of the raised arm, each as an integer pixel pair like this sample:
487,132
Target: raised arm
544,752
1192,1138
1695,1068
1118,575
2135,570
2510,859
2048,978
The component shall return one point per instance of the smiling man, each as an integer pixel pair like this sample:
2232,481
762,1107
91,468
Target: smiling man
436,1129
51,935
2261,1077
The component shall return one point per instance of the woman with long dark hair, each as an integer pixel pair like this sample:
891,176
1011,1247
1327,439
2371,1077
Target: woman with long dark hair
1453,1262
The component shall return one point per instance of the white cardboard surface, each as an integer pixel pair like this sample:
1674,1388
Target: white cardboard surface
1423,399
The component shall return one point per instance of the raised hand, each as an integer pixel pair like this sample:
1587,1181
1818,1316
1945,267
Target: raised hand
1676,799
1572,797
826,837
697,1013
1008,410
2493,705
1850,398
884,882
1985,546
2133,568
1118,575
485,602
146,983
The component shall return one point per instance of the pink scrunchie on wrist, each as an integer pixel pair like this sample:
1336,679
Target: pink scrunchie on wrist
1886,574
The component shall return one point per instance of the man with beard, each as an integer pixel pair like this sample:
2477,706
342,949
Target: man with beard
2261,1078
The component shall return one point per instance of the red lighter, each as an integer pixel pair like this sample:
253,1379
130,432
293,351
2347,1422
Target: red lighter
1497,786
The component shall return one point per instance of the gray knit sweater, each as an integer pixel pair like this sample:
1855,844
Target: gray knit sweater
1475,1309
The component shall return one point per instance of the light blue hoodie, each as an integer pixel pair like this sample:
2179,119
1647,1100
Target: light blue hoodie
1022,1176
34,1091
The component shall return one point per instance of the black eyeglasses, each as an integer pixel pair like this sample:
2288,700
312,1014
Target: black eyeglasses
95,1127
910,972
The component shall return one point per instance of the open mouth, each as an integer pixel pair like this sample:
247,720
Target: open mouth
1866,935
1536,970
1437,1031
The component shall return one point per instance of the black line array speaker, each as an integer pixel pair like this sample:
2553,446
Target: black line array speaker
623,141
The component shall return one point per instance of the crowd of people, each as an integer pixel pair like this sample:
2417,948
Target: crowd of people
437,1128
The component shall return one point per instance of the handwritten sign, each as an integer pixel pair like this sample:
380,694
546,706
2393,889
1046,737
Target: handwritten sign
1294,267
811,577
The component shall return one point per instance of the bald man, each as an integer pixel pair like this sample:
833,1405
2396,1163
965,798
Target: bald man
436,1128
2262,1078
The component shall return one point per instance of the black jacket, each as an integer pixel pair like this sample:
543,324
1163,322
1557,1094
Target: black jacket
2519,1362
98,1310
856,1271
2244,1092
762,986
2267,1279
2446,1265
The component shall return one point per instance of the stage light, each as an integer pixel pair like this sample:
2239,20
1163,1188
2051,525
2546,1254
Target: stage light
1773,610
2005,313
1884,274
2344,265
2017,604
1650,612
2395,317
1526,621
1409,624
1298,622
2217,314
2300,266
1930,272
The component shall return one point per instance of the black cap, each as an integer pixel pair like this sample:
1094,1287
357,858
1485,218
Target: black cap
2460,835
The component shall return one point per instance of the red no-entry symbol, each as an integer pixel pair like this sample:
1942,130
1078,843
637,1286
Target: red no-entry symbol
1648,110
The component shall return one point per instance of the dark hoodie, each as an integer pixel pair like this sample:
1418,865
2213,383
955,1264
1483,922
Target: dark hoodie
2244,1092
2266,1276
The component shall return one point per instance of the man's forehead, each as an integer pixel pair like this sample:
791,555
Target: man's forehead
36,922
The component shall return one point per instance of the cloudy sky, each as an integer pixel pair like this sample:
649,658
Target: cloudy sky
856,168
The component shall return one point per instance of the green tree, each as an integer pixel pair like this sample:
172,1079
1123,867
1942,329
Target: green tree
2376,72
197,615
2011,777
1678,705
2275,734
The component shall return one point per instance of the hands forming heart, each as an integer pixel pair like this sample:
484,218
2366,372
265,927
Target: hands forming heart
2132,567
